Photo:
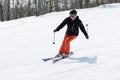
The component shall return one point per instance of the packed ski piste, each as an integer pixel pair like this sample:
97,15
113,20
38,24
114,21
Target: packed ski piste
77,44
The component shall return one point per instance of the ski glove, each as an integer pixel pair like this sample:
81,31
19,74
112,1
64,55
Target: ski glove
55,30
87,37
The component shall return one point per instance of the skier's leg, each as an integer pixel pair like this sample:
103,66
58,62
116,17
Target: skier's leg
62,48
67,44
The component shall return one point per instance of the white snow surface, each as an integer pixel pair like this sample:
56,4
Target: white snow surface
115,5
24,42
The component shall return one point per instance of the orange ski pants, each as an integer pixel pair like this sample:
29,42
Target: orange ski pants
65,47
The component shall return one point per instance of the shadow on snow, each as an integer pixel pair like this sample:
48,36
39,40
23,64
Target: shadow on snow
83,59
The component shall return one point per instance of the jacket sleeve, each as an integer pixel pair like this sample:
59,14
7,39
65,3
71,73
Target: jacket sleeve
61,25
82,28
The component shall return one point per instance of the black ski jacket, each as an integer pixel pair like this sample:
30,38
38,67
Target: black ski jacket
72,26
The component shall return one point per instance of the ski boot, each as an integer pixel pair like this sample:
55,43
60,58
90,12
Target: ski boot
58,55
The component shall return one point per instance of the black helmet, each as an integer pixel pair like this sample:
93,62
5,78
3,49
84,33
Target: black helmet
73,12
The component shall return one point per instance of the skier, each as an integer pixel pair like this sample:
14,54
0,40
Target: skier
73,24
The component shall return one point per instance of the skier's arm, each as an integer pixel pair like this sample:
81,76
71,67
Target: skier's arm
61,25
82,28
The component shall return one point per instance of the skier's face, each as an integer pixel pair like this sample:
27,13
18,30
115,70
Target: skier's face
72,16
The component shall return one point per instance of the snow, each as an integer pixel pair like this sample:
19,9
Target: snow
115,5
24,42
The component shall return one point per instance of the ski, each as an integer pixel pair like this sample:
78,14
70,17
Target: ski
58,59
55,59
61,58
51,58
47,59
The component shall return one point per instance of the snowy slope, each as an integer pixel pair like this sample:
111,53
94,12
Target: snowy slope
115,5
24,42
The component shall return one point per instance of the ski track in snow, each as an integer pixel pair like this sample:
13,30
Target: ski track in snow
24,42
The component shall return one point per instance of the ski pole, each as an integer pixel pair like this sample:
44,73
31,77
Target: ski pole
87,28
54,38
